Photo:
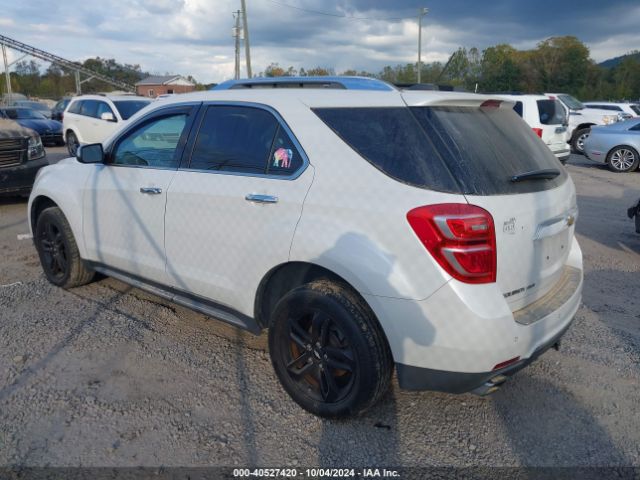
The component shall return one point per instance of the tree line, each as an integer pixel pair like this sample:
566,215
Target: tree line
558,64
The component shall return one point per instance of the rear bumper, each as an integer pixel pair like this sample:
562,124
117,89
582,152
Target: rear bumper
453,340
19,179
416,378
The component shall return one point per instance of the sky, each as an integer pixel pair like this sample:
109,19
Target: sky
193,37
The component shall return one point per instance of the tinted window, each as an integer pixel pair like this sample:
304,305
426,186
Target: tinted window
613,108
153,144
518,108
636,127
62,104
453,149
237,139
128,108
635,108
551,112
103,107
75,107
89,108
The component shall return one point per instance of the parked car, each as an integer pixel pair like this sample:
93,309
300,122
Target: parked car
548,119
365,227
50,131
581,119
33,105
21,156
634,211
624,110
57,113
615,145
93,118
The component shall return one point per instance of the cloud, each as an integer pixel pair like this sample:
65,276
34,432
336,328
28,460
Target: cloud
193,37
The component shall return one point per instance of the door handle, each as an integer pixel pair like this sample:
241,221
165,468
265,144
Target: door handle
257,198
151,190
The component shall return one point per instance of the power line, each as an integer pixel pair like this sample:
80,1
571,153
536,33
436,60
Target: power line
336,15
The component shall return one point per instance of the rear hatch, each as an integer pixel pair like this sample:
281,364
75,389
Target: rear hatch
485,145
553,119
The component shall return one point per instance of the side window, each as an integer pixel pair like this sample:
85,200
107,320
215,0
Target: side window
234,139
152,144
89,108
518,108
636,127
103,107
284,158
76,107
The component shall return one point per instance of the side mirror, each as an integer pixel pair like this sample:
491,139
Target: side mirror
91,153
108,116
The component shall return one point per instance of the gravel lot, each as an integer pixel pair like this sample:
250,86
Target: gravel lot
106,375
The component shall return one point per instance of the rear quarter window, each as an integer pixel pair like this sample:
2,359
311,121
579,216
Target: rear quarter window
467,150
551,112
75,107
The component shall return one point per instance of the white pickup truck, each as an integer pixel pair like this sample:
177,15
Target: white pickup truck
581,119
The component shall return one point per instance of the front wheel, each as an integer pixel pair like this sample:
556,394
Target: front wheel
328,350
577,143
58,250
72,144
622,159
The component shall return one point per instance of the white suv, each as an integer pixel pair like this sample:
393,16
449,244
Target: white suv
366,228
548,119
93,118
581,119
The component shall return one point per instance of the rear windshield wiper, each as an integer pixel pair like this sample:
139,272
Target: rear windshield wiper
547,174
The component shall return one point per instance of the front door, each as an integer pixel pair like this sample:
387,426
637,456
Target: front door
124,199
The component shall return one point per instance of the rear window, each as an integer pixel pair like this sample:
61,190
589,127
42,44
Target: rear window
128,108
467,150
551,112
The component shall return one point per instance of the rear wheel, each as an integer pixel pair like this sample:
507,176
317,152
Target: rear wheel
72,143
328,350
577,143
623,159
58,250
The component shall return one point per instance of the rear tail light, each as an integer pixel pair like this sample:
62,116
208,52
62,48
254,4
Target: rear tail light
538,131
460,237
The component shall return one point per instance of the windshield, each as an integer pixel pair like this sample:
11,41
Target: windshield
635,108
24,114
452,149
128,108
571,102
34,105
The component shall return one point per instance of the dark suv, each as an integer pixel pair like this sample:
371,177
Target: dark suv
21,156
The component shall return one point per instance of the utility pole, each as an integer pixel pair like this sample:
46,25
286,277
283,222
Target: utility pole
7,77
236,35
78,83
245,26
421,13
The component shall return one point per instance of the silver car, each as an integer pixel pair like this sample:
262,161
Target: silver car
616,145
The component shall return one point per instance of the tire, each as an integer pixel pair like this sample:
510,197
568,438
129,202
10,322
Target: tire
344,364
72,143
58,251
577,142
622,159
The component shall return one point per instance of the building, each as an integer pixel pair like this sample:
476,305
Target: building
164,84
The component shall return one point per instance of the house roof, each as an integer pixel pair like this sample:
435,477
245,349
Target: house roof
159,79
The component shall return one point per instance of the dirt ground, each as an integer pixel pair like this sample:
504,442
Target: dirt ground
106,375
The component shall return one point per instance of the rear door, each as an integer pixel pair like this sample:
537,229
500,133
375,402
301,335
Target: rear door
553,120
233,209
484,148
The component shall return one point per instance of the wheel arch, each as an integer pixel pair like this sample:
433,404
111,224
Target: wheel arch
38,205
582,126
287,276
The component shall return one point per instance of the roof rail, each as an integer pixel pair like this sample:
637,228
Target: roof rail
429,86
333,82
